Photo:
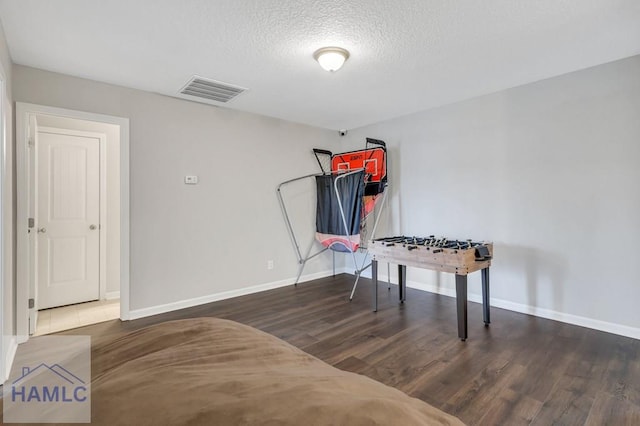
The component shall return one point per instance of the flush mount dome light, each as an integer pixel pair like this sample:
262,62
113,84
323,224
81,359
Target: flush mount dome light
331,58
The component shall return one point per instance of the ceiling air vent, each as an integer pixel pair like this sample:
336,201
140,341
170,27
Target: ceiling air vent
210,90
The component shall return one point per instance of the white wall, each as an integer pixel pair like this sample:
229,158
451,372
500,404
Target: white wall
550,172
7,289
194,241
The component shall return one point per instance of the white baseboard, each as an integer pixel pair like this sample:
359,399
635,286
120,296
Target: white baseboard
188,303
11,355
619,329
608,327
112,295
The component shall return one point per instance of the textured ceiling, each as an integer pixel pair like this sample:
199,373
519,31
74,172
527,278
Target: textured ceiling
406,55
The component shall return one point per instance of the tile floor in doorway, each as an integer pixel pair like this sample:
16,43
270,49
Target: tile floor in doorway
73,316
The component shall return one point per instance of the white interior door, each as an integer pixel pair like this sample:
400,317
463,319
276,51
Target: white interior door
68,212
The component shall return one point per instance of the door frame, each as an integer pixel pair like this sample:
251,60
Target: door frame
4,358
103,227
23,111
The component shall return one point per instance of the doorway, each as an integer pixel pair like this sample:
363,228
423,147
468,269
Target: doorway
68,199
73,204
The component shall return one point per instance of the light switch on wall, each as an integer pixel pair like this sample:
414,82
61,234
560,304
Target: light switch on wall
191,180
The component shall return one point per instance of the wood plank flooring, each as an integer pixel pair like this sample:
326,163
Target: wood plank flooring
520,370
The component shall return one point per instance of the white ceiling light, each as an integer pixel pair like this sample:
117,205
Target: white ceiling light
331,58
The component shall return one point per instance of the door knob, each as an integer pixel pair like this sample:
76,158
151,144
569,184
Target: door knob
93,227
42,230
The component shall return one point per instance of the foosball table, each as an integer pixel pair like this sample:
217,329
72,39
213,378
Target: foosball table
438,254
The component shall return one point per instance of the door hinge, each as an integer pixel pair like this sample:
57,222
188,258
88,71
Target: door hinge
30,142
32,303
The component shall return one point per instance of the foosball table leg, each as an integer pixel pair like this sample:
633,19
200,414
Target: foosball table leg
374,278
485,297
461,301
402,282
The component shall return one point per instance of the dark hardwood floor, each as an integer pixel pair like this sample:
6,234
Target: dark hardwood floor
520,370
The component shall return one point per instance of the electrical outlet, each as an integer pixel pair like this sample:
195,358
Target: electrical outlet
191,180
269,264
